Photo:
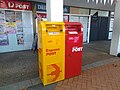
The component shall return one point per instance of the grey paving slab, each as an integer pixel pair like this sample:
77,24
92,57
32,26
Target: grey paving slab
100,63
24,84
17,67
97,64
11,87
1,88
20,66
36,81
108,61
41,87
92,55
103,46
35,87
85,67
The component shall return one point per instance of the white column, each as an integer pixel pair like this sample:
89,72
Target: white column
115,43
54,10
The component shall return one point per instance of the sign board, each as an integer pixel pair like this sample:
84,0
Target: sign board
8,4
66,9
42,7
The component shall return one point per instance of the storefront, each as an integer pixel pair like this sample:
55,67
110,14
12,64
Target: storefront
99,29
76,15
81,15
16,27
41,11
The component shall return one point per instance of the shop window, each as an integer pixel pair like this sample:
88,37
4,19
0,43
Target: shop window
79,11
100,13
13,36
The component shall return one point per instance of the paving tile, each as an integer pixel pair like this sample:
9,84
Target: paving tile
36,87
72,84
35,81
24,89
105,77
78,87
17,67
97,64
92,77
59,88
60,83
85,67
65,82
42,87
12,87
1,88
70,80
25,84
49,87
73,88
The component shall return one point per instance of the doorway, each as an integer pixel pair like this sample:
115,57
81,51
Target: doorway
99,29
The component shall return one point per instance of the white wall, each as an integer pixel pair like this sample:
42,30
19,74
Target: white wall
115,43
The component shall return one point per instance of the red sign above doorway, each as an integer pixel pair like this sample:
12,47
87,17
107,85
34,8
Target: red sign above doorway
8,4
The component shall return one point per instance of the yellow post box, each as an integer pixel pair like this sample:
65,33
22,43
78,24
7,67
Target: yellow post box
51,52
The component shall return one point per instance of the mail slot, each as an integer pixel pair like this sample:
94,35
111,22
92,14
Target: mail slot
73,48
51,52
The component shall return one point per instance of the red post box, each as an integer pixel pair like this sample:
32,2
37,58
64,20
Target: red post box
73,48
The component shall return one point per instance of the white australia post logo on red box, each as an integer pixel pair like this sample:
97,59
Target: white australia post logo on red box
77,49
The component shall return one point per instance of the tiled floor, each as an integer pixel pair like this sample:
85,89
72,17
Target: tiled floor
89,71
19,70
21,85
23,65
106,77
102,75
17,66
96,51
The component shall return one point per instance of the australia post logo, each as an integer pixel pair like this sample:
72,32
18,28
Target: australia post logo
77,49
19,5
51,52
